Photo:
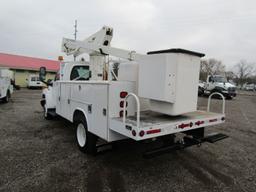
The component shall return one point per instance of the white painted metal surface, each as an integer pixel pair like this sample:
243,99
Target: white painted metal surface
153,124
223,102
169,80
5,83
137,105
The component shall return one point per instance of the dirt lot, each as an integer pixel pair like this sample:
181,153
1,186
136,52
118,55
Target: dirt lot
41,155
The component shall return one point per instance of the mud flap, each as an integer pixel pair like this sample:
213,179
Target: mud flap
215,137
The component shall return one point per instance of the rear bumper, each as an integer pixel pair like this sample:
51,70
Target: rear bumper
156,126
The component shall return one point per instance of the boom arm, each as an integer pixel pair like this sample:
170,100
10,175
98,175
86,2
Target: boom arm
99,43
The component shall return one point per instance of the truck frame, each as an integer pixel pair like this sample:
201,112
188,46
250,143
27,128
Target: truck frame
104,104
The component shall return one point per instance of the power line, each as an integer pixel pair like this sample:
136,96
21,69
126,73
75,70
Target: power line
75,34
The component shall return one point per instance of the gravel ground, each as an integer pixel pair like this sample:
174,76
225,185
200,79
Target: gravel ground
41,155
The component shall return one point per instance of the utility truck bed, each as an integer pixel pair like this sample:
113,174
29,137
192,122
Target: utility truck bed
153,124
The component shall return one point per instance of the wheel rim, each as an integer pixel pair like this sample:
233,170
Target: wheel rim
81,135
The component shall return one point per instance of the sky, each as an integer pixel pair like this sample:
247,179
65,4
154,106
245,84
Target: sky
224,30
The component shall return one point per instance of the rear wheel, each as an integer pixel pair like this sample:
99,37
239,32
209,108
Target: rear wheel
86,141
47,116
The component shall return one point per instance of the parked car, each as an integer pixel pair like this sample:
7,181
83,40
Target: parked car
250,87
34,82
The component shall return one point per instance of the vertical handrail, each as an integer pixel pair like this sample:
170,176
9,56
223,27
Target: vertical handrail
138,108
223,101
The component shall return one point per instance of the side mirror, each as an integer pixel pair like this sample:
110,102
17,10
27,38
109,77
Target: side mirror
42,73
90,74
49,82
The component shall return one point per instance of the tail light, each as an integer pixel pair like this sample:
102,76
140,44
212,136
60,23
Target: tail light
153,131
142,133
123,94
199,123
122,104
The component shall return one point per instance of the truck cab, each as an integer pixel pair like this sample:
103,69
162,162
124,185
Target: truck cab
219,84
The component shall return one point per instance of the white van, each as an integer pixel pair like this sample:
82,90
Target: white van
6,88
34,82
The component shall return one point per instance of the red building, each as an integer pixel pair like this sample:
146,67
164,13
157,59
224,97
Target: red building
23,66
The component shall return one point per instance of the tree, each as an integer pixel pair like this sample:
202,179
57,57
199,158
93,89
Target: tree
243,71
230,75
211,67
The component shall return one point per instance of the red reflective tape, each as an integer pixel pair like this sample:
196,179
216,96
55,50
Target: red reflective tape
213,120
184,125
199,123
154,131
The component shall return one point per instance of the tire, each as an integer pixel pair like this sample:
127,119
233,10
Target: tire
7,97
86,141
47,116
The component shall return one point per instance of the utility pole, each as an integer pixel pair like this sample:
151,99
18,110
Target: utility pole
75,33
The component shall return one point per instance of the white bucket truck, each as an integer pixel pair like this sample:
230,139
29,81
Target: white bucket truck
6,88
218,83
147,98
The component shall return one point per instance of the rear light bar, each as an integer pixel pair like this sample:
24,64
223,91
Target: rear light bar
153,131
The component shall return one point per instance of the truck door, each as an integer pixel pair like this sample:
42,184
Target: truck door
65,100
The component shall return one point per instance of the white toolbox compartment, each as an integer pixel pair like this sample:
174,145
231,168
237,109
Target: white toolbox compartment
169,79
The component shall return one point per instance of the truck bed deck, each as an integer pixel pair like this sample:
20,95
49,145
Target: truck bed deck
153,124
